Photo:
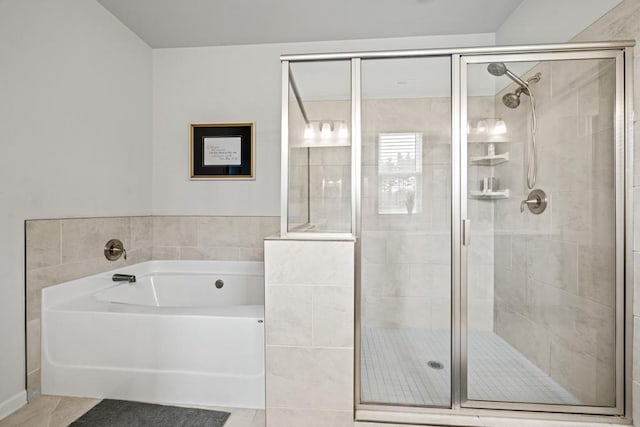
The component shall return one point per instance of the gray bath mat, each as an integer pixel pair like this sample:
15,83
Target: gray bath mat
121,413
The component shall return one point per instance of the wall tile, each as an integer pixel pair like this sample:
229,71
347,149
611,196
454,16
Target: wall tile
141,232
301,263
288,315
308,378
596,273
84,239
222,254
574,371
161,252
251,254
333,313
33,345
535,344
175,231
228,231
553,262
43,243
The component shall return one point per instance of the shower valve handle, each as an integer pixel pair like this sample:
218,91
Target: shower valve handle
533,202
536,201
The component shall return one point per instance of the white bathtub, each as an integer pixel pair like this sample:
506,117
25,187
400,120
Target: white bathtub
171,337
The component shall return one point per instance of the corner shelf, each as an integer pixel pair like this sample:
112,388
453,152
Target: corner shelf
489,195
489,160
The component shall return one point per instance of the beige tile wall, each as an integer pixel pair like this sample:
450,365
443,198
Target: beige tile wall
60,250
554,272
623,23
211,238
309,320
406,258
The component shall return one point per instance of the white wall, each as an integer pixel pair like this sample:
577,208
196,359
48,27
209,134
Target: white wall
75,137
550,21
235,84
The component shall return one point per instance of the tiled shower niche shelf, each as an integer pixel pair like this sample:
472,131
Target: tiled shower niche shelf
489,160
489,195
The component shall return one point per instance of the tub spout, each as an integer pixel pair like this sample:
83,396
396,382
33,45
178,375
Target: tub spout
124,278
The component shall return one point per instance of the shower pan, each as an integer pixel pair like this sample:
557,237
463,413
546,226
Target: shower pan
467,302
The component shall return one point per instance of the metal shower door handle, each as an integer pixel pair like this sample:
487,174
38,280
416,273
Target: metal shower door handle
466,230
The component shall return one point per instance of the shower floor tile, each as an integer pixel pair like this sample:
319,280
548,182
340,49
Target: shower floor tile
396,369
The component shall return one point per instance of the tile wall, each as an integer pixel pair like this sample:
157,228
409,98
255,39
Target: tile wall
309,324
623,23
59,250
406,259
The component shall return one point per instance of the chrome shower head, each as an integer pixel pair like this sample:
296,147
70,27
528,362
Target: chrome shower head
497,68
511,100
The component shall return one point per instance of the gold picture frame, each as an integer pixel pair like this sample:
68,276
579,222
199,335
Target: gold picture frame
221,151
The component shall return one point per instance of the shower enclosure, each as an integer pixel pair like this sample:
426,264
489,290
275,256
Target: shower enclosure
488,191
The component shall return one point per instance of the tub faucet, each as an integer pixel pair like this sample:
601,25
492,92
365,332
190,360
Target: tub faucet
124,278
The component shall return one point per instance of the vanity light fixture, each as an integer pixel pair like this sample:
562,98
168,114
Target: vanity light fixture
309,133
325,130
500,127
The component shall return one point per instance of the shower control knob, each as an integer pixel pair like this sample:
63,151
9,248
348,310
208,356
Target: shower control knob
536,202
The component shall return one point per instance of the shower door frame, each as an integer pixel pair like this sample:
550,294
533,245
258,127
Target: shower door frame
461,408
619,189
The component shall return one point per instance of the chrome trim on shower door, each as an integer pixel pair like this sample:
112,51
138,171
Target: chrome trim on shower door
621,384
459,206
629,223
284,150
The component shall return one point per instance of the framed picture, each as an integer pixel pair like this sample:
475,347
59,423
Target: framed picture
222,151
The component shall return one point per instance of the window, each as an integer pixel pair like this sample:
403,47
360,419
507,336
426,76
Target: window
399,173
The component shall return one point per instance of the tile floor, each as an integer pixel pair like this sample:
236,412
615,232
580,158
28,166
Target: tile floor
56,411
395,366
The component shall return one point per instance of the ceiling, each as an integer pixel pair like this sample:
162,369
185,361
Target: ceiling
190,23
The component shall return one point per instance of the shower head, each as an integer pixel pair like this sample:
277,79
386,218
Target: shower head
511,100
499,69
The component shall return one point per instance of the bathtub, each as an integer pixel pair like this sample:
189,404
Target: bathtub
171,337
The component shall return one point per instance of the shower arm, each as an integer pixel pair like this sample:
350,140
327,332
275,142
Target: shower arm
517,79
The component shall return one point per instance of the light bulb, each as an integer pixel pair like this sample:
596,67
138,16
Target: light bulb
343,132
308,131
325,130
500,128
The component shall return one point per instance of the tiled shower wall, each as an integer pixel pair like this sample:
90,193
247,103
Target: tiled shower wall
623,23
59,250
555,272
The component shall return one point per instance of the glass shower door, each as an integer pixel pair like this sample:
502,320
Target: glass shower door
405,232
544,189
